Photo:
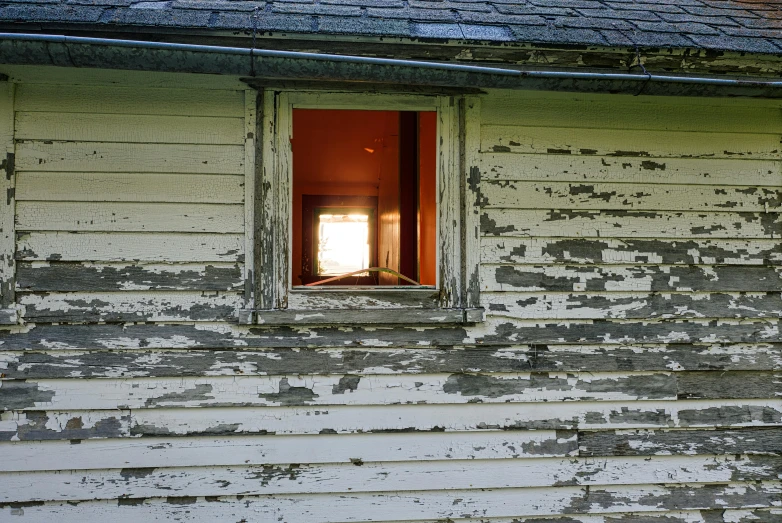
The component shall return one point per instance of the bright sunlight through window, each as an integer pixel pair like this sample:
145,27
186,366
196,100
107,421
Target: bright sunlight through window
343,243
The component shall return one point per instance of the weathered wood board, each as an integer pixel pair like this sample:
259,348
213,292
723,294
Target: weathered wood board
129,217
129,187
633,305
119,99
633,278
353,449
630,170
616,142
133,363
129,247
129,157
633,224
383,477
431,505
91,277
610,251
92,127
355,419
127,305
625,196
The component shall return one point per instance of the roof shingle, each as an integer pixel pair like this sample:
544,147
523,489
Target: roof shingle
736,25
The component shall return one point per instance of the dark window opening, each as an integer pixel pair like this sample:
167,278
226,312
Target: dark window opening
364,197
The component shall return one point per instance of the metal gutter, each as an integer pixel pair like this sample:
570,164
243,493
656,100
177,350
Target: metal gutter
265,64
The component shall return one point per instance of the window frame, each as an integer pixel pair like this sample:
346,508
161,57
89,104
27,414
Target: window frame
273,301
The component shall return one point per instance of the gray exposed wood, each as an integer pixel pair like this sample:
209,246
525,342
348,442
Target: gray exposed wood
349,419
633,305
749,440
637,224
129,306
9,316
658,278
63,277
631,251
537,358
499,331
730,385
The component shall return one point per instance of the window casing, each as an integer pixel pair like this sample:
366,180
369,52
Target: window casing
275,301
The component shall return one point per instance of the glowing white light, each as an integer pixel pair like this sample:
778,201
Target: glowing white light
344,243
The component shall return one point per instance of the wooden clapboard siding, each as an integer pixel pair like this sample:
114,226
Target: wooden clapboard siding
129,247
641,504
129,128
128,170
629,369
59,425
627,170
136,187
61,276
621,251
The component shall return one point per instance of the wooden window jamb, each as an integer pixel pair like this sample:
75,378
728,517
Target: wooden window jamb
276,303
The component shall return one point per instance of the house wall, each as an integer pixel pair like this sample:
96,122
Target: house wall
628,369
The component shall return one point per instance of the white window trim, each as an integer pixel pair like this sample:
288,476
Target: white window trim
272,300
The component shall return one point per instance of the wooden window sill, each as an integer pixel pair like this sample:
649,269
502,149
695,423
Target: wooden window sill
393,316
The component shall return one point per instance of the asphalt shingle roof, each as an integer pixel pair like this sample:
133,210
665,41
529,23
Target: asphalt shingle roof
733,25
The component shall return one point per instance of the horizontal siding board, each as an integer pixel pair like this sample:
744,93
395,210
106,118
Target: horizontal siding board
129,217
83,307
630,305
279,362
630,251
730,385
129,157
129,187
629,331
412,418
271,450
129,100
91,277
654,278
352,419
240,391
128,128
634,224
749,440
638,144
631,170
494,331
130,247
46,426
585,111
381,477
412,506
614,196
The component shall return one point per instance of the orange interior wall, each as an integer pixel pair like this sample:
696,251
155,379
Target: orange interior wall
350,152
427,202
335,152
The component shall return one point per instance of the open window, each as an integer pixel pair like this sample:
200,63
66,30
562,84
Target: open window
364,210
362,204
